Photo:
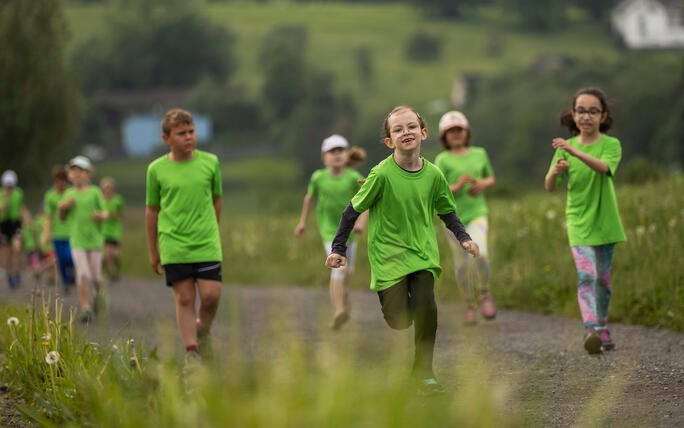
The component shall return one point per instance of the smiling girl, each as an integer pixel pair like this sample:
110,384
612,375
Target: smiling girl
589,160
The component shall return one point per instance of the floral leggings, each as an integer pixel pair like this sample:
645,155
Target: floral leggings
593,287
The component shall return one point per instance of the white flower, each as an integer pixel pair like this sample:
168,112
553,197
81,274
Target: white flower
11,321
52,357
640,230
672,223
550,214
652,228
131,343
46,337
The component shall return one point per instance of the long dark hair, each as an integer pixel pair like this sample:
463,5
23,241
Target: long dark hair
567,120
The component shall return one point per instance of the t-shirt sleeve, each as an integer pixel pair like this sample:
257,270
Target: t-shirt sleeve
444,199
369,192
216,182
487,170
152,190
612,155
312,189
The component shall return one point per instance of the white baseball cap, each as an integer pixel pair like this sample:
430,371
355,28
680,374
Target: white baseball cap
333,142
9,178
81,162
452,119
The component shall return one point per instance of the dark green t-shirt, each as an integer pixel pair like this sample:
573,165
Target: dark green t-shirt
187,227
60,229
85,232
476,163
591,212
112,228
401,225
332,194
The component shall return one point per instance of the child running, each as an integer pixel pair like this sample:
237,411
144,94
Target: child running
112,229
56,229
589,160
183,200
11,207
403,193
331,189
469,173
85,207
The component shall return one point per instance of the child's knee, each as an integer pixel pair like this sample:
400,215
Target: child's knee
398,321
185,299
585,279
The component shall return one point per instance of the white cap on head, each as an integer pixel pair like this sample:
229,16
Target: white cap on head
81,162
9,178
452,119
333,142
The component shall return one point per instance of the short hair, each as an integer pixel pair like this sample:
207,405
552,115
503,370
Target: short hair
397,109
175,117
59,173
107,180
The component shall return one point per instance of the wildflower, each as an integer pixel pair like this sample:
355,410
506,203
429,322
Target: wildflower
547,268
131,343
12,321
640,230
52,357
550,214
652,228
46,337
672,223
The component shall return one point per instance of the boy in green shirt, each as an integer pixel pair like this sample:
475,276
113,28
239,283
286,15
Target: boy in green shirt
403,193
57,230
183,199
112,228
11,207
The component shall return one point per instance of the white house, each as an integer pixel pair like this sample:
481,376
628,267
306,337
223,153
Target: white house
649,24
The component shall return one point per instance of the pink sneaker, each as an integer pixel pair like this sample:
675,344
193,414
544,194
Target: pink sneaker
487,307
606,341
469,315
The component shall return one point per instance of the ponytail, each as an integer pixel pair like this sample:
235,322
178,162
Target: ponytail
566,117
357,156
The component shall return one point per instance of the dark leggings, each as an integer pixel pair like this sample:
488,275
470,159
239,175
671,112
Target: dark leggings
412,301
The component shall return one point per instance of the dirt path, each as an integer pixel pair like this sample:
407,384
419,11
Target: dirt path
541,357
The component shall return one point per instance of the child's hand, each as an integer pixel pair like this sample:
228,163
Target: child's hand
99,216
560,143
335,261
477,188
462,181
299,230
67,203
560,167
155,262
363,180
472,248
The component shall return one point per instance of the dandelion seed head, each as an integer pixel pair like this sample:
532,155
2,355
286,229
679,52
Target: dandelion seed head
12,321
46,337
672,223
52,357
550,214
640,230
652,228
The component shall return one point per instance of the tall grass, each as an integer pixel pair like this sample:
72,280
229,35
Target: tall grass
532,267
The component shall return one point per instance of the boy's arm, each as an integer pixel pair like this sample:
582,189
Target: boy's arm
217,208
306,209
151,219
47,234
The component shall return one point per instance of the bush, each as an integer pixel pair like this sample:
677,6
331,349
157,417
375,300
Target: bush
423,46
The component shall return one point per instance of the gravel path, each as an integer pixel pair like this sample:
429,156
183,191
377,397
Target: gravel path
540,357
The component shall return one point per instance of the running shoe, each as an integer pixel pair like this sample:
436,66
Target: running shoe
606,341
469,315
99,304
430,387
487,307
86,316
592,341
339,319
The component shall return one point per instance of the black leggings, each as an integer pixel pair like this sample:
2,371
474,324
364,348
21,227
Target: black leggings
412,301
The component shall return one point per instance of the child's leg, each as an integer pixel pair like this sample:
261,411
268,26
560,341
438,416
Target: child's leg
339,278
478,229
585,261
210,295
395,305
603,289
15,260
95,264
424,309
83,277
462,269
184,296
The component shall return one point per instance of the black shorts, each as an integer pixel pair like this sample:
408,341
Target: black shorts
203,270
8,230
110,241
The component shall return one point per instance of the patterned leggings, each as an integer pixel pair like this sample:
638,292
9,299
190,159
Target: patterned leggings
593,287
472,274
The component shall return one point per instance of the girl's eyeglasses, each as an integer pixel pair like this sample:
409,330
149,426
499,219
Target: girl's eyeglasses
593,112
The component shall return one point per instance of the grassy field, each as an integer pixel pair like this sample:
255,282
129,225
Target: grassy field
532,267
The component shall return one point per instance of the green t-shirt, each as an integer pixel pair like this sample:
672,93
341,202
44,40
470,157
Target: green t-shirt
14,203
401,225
333,194
28,236
60,229
112,228
591,212
475,163
39,225
85,232
187,227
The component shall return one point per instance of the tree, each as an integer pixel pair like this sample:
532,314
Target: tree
537,15
39,107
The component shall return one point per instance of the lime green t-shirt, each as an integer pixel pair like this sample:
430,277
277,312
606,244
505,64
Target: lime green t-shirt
60,229
401,225
333,194
28,236
476,163
591,212
85,232
39,225
187,227
14,203
112,228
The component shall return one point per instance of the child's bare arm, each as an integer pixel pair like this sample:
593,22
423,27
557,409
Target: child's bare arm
361,223
151,221
306,209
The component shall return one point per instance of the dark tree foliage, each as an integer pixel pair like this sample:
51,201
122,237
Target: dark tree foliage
39,98
152,43
424,46
450,9
535,15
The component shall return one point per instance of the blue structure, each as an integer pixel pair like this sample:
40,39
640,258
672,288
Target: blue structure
142,133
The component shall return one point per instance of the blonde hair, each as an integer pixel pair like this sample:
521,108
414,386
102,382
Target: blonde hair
397,109
175,117
107,180
357,156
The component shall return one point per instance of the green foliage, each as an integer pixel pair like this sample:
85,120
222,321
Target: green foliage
230,109
534,15
423,46
39,107
154,43
640,169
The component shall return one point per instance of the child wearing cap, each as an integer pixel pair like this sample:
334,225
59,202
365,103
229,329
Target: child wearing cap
11,207
469,174
112,228
330,189
183,199
403,193
56,229
84,206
